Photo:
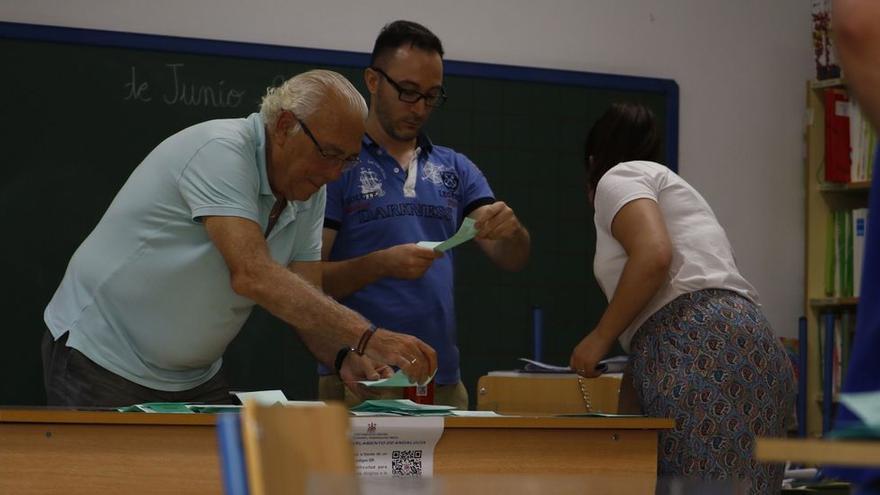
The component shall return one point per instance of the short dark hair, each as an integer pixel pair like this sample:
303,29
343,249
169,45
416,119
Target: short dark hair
400,33
625,132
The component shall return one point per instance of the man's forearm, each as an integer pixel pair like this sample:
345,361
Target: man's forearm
322,323
511,253
343,278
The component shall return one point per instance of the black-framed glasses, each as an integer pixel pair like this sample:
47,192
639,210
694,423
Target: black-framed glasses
347,163
412,96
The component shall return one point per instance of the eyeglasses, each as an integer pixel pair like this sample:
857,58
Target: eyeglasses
347,163
412,96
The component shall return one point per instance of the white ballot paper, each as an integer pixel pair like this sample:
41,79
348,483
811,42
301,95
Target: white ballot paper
395,447
465,233
272,397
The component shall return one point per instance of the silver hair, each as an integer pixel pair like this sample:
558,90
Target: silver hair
302,93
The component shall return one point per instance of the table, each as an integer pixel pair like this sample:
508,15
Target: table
856,453
100,451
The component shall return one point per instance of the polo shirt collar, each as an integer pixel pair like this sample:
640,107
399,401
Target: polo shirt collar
422,141
259,129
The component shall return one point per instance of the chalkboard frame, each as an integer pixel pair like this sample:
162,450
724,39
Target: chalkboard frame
668,88
507,291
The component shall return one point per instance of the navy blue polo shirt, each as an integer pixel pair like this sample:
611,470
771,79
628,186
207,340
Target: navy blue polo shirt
369,210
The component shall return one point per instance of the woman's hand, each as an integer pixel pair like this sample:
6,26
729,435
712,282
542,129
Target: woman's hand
589,352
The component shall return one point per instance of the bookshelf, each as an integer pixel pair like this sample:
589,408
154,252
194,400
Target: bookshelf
822,198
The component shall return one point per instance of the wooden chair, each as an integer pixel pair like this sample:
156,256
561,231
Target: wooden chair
285,446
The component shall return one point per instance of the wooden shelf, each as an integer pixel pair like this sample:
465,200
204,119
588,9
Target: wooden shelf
832,452
833,302
828,83
851,187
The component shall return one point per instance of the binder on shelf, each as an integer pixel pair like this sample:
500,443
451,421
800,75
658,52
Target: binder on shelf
840,241
827,349
829,255
863,143
839,255
847,253
837,153
860,228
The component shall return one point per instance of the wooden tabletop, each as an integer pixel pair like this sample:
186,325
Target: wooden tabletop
814,450
73,416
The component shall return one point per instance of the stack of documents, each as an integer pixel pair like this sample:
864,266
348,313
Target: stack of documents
397,380
611,365
399,407
262,397
178,408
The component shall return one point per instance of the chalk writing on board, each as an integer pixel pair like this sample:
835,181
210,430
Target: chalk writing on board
183,92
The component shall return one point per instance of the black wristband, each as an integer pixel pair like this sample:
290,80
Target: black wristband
340,357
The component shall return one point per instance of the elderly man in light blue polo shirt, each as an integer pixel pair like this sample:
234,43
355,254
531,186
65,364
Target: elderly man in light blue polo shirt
219,217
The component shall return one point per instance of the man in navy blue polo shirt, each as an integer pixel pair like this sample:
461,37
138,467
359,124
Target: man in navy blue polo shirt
404,190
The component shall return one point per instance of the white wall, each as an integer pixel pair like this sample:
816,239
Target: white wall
740,65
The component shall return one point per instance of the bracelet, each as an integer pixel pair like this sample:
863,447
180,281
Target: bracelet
340,357
365,337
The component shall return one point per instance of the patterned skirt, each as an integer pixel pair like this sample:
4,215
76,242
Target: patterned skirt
709,360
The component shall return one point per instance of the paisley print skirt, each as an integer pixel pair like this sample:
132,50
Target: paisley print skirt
709,360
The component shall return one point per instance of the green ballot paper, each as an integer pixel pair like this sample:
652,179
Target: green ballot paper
466,232
400,407
398,379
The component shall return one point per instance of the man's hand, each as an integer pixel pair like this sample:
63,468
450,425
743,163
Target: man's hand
416,358
406,261
497,221
589,352
501,236
359,368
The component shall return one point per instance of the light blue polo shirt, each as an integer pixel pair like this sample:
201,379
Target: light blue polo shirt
370,210
147,295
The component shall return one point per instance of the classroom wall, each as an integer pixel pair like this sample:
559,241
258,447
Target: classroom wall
740,65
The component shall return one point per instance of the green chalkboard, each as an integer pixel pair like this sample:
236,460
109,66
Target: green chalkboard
81,108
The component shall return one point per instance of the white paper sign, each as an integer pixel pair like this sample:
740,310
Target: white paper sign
395,447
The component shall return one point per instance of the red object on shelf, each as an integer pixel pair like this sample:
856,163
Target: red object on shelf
837,159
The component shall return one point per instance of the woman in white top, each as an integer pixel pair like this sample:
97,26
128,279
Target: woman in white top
701,351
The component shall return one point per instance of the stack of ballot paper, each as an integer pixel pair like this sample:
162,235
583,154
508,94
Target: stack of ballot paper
262,397
273,397
397,380
399,407
610,365
178,408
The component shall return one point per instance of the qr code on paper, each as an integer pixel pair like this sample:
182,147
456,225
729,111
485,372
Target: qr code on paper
406,463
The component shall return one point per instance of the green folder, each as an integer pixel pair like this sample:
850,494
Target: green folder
829,255
840,237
